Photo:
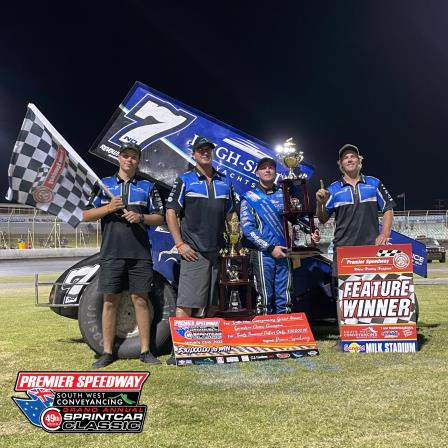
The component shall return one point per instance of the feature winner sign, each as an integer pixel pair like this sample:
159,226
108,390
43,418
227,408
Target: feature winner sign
219,341
377,308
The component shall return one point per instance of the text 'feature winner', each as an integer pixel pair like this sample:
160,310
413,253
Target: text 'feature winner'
377,304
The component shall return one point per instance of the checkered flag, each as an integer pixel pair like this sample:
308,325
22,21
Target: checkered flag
45,172
388,252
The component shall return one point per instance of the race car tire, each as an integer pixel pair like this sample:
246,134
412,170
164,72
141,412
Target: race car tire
127,342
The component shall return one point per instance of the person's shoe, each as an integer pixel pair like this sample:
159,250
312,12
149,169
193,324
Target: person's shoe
171,361
104,360
149,358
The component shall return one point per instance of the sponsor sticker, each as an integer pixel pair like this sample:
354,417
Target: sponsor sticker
232,359
204,361
43,194
354,347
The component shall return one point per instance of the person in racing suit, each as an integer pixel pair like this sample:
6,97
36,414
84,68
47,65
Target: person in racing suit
272,271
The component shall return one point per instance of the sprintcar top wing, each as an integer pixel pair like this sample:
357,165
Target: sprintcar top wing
165,128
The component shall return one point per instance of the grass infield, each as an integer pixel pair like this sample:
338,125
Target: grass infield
334,400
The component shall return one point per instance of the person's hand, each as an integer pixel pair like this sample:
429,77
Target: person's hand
131,217
315,236
279,252
187,252
115,204
322,194
381,239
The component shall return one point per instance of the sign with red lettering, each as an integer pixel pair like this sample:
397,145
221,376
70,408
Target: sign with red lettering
377,309
219,341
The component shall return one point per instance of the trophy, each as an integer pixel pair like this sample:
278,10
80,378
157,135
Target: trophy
298,218
235,285
295,204
235,301
232,235
233,273
300,235
291,157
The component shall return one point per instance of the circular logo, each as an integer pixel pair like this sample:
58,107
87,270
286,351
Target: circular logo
354,348
42,195
51,419
401,260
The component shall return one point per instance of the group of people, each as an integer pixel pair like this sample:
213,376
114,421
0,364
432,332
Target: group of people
200,202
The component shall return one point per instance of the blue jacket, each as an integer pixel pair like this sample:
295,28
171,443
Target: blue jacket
253,227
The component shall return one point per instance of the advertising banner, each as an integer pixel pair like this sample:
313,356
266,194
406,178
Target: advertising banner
219,341
419,256
377,307
165,129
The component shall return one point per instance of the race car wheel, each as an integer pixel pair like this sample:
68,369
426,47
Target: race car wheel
127,342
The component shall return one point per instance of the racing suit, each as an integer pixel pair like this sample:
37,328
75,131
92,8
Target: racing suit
273,280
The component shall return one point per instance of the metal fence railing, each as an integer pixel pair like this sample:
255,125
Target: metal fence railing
23,227
413,223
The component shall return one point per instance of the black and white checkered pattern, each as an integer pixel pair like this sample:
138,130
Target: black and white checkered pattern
33,155
388,252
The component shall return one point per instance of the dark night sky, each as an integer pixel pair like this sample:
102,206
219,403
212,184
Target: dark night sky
372,73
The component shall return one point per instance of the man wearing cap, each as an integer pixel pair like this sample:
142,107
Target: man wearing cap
260,216
126,263
355,200
202,199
